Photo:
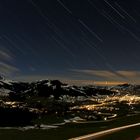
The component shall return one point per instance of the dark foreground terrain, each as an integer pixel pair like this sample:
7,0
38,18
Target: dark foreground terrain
71,130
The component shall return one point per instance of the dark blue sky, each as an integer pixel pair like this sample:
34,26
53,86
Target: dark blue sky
74,39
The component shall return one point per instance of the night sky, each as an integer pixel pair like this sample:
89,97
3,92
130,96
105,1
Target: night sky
70,39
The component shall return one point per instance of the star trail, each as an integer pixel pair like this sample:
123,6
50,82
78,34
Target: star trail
70,39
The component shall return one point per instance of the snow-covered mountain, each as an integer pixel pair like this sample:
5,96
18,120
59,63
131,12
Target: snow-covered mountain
49,87
128,88
56,88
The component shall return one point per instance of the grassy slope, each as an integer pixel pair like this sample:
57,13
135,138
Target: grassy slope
67,131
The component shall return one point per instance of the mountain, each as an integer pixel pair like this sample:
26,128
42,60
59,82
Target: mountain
47,88
47,98
57,89
127,88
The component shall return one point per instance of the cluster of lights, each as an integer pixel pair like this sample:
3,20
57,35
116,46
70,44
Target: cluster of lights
105,102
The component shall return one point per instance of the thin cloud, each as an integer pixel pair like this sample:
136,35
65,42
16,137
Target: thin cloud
98,73
7,70
130,73
31,77
128,76
90,77
5,56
